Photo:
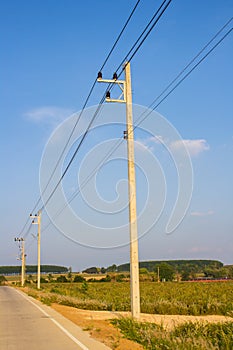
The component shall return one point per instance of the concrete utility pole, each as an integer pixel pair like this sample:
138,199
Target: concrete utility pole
37,222
22,257
23,264
126,97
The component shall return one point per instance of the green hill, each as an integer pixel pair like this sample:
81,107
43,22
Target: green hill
195,266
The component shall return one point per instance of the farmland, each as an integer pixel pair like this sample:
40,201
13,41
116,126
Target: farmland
190,299
171,298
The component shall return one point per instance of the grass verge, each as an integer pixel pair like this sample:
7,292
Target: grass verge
188,336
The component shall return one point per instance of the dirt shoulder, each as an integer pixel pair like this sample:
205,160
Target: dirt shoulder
97,323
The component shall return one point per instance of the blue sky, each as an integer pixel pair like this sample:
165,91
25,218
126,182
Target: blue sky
51,52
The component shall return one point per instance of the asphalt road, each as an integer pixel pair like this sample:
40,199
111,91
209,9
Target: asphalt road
26,324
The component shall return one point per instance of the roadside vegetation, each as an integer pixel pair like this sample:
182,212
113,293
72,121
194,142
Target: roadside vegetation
188,336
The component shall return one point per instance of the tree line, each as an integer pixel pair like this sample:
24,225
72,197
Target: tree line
11,270
169,270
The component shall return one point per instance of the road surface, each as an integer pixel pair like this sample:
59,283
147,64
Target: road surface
26,324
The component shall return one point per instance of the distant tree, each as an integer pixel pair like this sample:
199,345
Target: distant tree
91,270
230,271
69,276
103,270
123,268
185,276
112,268
166,272
216,273
143,271
193,266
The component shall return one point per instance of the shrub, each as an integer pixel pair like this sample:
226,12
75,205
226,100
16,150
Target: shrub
43,280
106,279
120,277
84,287
2,279
62,279
79,278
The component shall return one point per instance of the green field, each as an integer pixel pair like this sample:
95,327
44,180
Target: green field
183,298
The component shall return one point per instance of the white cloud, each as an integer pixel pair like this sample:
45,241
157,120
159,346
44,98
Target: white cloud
194,147
48,114
148,143
201,214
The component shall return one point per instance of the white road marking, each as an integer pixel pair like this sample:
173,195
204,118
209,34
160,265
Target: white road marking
55,322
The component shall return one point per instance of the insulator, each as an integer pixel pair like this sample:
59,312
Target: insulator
99,75
108,94
114,76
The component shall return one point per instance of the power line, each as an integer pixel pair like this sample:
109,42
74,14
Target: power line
119,36
186,75
82,110
86,181
190,62
110,85
127,58
112,150
116,146
74,154
146,30
89,95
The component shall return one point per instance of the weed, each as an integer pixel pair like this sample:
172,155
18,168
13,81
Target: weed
84,287
88,328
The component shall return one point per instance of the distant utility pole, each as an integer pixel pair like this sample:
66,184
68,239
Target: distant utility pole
37,221
126,97
22,258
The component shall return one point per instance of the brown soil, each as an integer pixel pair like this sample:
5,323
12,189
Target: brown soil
97,323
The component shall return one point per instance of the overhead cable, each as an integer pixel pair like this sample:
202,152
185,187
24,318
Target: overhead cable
103,99
140,119
81,112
